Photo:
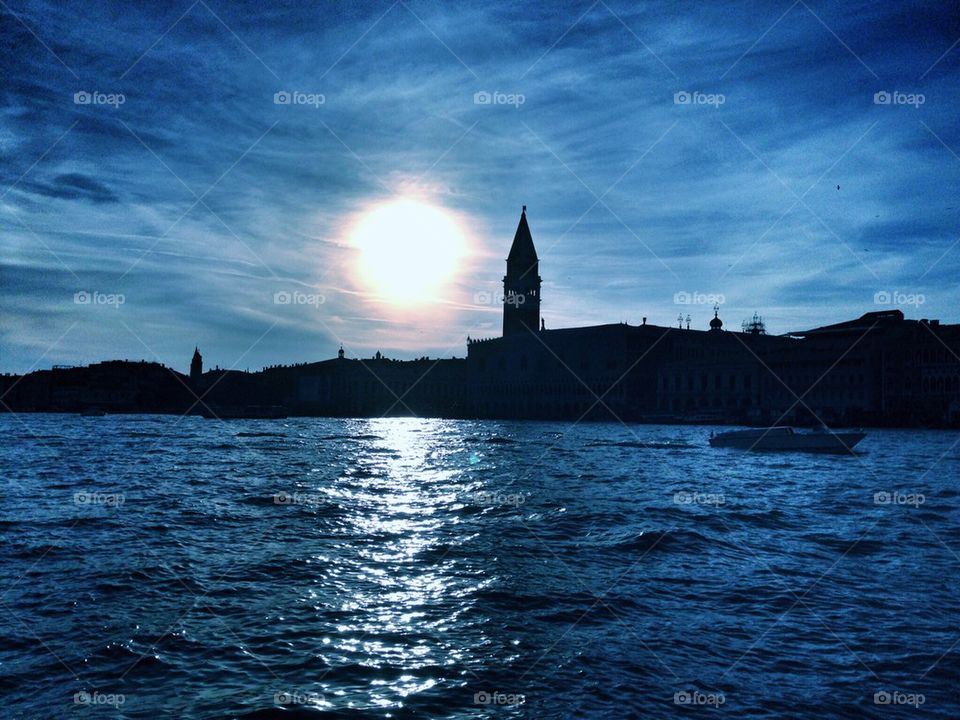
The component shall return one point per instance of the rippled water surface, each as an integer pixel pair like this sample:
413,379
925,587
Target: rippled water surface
164,567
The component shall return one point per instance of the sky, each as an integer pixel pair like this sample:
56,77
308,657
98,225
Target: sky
796,159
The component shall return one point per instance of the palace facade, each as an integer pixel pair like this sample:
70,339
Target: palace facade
880,369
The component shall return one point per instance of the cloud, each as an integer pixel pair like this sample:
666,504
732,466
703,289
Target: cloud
74,186
199,194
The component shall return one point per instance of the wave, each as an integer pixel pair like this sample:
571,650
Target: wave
29,552
668,445
773,518
652,541
847,546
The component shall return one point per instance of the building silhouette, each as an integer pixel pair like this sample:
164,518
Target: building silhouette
196,365
879,369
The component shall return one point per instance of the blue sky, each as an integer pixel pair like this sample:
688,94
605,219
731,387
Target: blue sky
198,198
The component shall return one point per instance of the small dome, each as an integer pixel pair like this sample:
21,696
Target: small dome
716,323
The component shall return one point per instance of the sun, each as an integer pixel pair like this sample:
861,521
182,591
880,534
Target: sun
408,250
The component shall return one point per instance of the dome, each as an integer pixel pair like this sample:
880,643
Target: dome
716,323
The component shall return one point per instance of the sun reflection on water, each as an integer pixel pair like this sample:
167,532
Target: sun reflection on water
402,584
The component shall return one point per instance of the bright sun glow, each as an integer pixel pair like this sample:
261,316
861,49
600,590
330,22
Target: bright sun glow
408,250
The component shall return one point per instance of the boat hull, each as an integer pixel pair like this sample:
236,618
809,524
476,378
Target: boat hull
785,440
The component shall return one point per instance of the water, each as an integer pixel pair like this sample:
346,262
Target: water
418,568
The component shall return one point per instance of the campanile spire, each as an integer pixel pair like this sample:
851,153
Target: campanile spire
521,284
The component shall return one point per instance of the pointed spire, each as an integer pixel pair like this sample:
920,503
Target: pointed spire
522,248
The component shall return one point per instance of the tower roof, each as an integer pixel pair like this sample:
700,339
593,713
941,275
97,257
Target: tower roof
716,323
522,248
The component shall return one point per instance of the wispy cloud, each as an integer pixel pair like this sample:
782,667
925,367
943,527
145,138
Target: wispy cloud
634,194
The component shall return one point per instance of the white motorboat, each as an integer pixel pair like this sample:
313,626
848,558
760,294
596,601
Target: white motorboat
786,438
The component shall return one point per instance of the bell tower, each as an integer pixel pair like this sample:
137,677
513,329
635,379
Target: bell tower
196,365
521,284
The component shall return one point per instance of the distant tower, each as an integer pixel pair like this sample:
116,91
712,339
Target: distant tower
196,365
521,284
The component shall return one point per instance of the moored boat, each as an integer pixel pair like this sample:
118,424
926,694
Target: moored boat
786,438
